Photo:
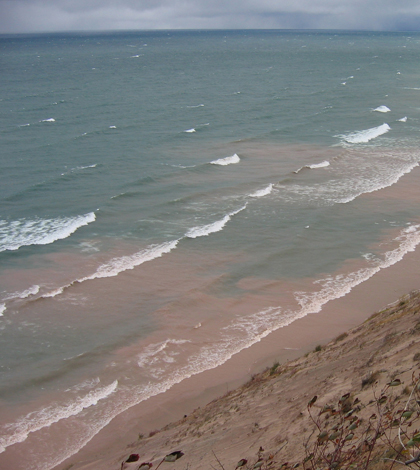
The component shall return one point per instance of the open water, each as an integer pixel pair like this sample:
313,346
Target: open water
168,199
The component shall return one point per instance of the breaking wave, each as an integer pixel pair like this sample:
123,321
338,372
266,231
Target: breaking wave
362,137
227,161
25,232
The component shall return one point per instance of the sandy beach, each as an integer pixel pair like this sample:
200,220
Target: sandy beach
129,432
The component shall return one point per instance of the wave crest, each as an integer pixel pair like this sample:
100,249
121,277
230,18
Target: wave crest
362,137
26,232
204,230
227,161
36,420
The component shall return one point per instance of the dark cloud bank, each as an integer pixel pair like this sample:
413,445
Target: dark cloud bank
26,16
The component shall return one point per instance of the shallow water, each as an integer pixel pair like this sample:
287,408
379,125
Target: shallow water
170,198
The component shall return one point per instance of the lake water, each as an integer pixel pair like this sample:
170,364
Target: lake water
170,198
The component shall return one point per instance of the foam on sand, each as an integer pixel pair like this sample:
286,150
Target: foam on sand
227,161
362,137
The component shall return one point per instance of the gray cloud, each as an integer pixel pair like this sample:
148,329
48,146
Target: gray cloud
74,15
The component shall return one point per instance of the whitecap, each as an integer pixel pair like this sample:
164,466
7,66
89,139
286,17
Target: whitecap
190,131
314,166
26,232
33,290
319,165
263,192
19,431
112,127
2,309
362,137
55,292
88,166
124,263
227,161
382,109
404,119
205,230
196,106
48,120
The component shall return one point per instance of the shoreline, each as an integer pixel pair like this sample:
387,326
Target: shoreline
283,345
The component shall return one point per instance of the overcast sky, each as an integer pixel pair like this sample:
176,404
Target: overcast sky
20,16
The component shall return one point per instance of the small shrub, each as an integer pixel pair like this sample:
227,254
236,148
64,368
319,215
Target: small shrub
341,337
370,379
274,367
318,348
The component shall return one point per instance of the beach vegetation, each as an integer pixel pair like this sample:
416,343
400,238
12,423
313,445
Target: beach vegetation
341,337
370,379
274,367
347,434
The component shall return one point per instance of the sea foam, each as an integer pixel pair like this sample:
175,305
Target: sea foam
227,161
314,166
33,290
263,192
362,137
18,431
124,263
382,109
205,230
119,264
26,232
